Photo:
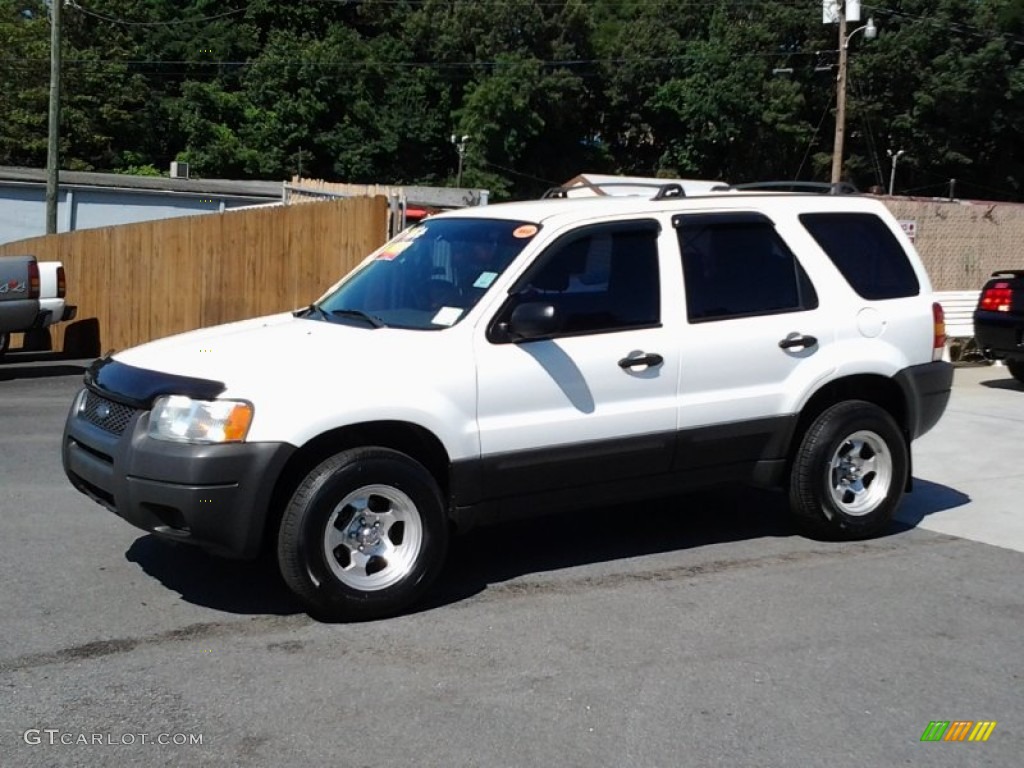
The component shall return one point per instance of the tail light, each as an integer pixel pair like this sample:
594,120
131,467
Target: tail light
33,280
996,298
62,283
938,331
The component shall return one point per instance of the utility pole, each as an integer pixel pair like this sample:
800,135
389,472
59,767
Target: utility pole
837,148
53,142
870,31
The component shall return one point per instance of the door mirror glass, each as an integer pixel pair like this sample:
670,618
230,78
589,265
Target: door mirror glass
533,320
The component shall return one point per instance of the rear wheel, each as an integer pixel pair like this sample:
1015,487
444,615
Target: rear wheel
849,472
363,536
1016,369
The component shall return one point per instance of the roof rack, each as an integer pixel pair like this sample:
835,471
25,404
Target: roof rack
663,191
819,187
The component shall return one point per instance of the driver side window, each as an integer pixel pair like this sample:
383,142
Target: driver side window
602,279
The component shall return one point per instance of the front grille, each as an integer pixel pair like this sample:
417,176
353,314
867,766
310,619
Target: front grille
106,414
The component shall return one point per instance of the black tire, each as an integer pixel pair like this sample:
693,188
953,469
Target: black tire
1016,369
849,472
348,570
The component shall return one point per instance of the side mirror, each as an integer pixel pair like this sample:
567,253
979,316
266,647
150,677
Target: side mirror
533,320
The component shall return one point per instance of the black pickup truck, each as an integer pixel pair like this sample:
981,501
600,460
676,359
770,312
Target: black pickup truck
999,320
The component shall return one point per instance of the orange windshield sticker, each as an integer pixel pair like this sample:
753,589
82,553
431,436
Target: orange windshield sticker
526,230
391,251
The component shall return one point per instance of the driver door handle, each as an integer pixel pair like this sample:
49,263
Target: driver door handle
793,342
645,359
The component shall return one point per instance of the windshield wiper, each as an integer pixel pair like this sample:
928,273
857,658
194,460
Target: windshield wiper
312,309
315,310
376,322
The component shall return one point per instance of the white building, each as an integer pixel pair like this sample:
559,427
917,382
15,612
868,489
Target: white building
89,200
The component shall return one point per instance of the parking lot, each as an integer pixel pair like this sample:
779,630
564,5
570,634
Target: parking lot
697,630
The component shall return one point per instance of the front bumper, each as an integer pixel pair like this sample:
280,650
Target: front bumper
926,390
214,496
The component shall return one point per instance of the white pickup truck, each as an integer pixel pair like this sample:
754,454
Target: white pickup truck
32,297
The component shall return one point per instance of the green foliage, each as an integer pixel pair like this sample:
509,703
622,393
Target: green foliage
139,170
24,82
371,91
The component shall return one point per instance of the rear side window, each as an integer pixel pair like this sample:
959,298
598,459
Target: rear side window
866,252
736,265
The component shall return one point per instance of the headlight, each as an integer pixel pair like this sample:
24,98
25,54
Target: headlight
185,420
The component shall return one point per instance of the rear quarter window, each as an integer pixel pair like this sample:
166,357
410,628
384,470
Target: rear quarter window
866,252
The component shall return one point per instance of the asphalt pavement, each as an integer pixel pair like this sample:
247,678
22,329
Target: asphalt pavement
692,631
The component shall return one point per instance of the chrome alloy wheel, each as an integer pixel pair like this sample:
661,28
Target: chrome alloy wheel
860,473
373,538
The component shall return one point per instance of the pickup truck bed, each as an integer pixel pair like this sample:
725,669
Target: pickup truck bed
19,296
999,320
53,308
20,313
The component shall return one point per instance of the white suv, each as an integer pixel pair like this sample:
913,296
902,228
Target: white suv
524,358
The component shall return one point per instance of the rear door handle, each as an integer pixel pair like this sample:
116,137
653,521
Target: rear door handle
798,341
646,359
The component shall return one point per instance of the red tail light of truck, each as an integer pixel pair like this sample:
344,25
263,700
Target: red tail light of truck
997,298
33,280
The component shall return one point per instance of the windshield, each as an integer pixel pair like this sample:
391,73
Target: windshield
429,276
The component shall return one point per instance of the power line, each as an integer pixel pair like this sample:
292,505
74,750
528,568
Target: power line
179,22
814,136
875,157
498,63
518,173
954,26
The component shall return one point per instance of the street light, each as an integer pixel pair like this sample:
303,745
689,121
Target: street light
892,177
870,32
460,147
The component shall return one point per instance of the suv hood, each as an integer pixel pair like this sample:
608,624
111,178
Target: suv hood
277,350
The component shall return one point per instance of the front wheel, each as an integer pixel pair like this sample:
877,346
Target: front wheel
849,472
1016,369
363,536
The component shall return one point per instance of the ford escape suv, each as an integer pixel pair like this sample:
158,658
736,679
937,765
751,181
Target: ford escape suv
523,358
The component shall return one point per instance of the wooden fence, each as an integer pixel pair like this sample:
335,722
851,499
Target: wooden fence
138,282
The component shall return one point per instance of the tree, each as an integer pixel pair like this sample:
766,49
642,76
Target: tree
371,91
944,83
24,82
